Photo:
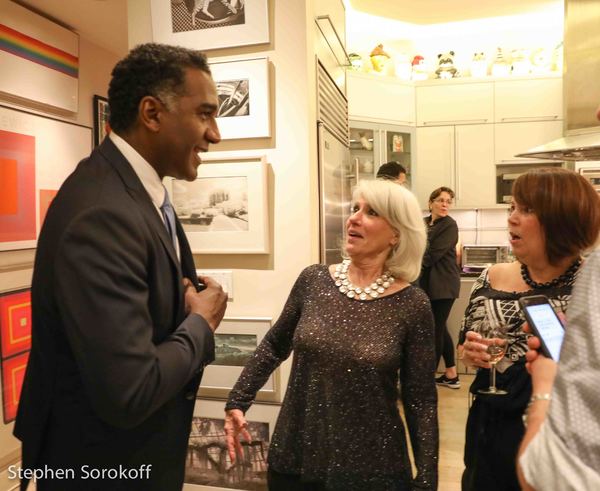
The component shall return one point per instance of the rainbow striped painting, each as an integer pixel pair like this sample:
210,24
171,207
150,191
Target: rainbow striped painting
31,49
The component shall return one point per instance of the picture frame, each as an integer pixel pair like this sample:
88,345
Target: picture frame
101,113
244,103
208,467
225,210
37,153
235,342
210,25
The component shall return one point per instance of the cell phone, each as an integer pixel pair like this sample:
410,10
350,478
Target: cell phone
544,323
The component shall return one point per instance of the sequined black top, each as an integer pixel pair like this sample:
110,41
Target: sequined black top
339,423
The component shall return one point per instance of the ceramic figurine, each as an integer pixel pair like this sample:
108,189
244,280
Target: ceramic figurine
446,68
478,65
419,71
500,67
520,64
379,58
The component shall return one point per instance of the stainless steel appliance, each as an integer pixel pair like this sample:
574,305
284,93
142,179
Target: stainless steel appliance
591,171
478,257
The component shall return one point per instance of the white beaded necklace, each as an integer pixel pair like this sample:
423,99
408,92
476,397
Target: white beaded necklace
342,281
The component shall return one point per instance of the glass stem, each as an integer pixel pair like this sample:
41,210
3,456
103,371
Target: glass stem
493,377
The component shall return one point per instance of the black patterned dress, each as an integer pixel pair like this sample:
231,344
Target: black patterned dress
495,423
339,423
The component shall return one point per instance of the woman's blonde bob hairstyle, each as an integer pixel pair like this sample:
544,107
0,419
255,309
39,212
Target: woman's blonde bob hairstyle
399,207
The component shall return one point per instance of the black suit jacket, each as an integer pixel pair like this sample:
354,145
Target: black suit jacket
115,361
440,275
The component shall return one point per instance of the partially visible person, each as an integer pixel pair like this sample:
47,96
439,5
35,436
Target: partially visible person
392,171
561,447
440,277
554,218
355,329
120,332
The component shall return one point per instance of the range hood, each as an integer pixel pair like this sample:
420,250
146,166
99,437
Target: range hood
581,90
569,148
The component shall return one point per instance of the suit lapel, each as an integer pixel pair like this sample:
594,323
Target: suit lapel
188,267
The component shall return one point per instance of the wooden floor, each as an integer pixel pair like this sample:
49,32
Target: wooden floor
453,405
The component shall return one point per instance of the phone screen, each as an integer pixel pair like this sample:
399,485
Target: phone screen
548,326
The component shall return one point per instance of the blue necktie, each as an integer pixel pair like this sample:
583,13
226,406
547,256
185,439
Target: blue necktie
169,215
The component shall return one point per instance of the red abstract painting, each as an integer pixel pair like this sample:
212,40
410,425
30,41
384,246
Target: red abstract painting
15,323
46,197
13,373
17,187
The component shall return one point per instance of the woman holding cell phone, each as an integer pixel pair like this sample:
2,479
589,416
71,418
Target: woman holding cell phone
554,217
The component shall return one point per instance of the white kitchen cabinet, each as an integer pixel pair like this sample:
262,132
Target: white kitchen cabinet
514,138
455,103
460,157
380,99
537,99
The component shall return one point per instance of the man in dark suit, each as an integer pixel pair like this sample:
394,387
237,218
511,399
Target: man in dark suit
121,326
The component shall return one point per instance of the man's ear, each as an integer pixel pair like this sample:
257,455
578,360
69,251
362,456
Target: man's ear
149,112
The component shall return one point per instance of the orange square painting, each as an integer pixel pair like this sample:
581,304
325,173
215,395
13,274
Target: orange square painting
46,197
15,323
17,187
13,373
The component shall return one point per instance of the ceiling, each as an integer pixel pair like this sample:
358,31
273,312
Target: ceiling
103,22
442,11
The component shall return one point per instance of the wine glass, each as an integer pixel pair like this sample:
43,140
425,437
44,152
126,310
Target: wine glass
495,336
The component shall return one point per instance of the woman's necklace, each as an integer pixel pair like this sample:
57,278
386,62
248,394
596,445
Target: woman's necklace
342,281
566,277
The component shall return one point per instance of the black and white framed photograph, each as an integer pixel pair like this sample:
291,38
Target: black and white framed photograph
210,24
243,90
235,342
224,210
208,467
101,114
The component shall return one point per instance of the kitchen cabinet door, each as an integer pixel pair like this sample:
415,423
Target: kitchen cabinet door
475,173
514,138
435,161
378,99
537,99
455,103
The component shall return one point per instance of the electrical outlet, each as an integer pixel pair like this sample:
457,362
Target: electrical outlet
222,276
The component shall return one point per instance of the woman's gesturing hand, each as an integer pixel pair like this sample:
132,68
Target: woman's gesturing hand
235,424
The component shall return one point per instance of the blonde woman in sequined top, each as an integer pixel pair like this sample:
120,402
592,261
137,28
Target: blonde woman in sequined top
356,329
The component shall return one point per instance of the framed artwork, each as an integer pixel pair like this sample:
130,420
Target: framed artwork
208,467
37,154
101,127
15,322
243,91
235,342
13,374
39,58
224,211
210,24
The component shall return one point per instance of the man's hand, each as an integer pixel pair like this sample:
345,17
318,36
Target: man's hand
210,303
235,424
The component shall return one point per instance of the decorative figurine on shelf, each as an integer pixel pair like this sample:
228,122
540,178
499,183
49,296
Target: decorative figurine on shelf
479,65
402,66
541,61
500,67
364,142
446,68
419,71
379,58
356,61
520,64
